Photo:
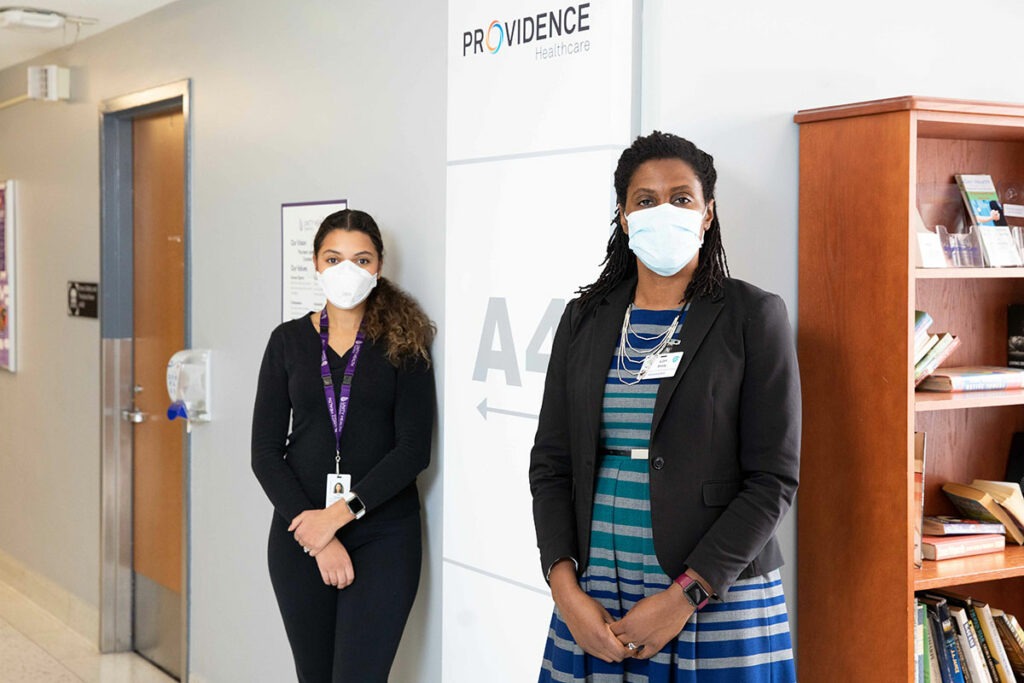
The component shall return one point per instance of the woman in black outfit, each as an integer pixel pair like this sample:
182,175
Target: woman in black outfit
345,566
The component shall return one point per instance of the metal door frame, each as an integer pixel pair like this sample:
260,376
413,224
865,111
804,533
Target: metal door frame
116,331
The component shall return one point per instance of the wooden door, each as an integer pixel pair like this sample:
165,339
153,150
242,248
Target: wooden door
159,331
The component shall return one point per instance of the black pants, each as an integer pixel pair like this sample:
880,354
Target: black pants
349,635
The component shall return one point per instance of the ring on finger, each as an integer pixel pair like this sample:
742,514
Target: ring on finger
631,645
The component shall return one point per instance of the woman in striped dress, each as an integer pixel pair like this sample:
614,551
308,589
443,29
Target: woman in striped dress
667,450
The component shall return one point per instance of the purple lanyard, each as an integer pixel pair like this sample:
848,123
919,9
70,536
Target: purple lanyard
340,411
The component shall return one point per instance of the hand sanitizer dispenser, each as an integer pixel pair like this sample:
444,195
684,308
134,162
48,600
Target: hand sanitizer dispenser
188,385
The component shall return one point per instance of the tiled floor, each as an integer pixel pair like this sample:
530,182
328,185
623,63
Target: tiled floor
37,648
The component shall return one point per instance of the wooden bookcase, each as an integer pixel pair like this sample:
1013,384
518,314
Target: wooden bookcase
864,169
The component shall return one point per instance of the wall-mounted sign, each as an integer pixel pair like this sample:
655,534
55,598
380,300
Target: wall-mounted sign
8,299
300,293
83,299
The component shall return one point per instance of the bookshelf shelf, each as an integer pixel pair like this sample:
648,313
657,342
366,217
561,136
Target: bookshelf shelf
855,340
925,401
968,273
968,570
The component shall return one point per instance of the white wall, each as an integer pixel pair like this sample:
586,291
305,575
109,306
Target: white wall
730,74
327,99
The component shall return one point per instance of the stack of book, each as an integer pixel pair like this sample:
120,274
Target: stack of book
973,378
959,639
930,349
945,536
991,513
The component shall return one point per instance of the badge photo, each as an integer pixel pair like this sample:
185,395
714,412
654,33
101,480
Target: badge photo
337,486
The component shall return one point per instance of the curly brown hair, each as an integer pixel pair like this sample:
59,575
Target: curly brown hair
392,318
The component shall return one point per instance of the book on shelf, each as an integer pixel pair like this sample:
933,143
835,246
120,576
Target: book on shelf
934,672
946,547
974,378
981,199
974,503
932,664
1000,660
948,525
922,351
950,660
988,624
920,642
919,449
986,216
1015,335
940,351
922,321
1007,494
973,614
1013,642
940,664
974,660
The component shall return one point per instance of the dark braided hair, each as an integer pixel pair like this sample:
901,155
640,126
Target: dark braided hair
620,263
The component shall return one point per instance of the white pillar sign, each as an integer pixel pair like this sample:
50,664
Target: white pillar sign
540,106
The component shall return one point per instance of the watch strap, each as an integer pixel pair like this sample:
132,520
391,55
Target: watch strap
694,592
355,505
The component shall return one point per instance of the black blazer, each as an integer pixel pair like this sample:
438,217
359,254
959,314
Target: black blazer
725,436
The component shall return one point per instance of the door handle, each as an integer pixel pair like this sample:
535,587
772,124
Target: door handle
133,416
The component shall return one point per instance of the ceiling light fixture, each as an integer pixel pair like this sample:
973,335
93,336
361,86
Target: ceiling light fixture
38,19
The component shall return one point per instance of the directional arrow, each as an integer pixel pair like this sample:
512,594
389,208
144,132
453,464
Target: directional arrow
484,410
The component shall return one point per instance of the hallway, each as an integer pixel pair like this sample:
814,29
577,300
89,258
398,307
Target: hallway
37,648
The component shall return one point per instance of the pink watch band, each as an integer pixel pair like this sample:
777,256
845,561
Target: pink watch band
690,588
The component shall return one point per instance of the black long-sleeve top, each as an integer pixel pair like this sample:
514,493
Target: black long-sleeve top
386,440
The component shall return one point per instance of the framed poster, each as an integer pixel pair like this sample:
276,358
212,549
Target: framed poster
300,293
8,281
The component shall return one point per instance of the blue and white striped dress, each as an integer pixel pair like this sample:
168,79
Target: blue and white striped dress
743,638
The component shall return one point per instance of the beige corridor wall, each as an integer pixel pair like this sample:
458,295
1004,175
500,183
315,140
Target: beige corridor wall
294,101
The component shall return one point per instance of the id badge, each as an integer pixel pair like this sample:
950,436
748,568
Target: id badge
661,365
337,486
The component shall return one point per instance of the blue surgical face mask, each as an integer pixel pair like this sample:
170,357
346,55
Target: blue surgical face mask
665,237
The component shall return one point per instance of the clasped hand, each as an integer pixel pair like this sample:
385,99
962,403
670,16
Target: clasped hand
314,529
650,625
653,622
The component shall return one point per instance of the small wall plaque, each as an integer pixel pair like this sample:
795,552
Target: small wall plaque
83,299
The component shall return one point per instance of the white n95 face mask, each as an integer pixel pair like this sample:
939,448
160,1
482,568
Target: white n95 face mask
665,237
346,285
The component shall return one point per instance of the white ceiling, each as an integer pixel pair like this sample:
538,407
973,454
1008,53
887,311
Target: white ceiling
22,45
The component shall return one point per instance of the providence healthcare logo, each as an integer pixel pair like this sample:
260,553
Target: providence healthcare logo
555,33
